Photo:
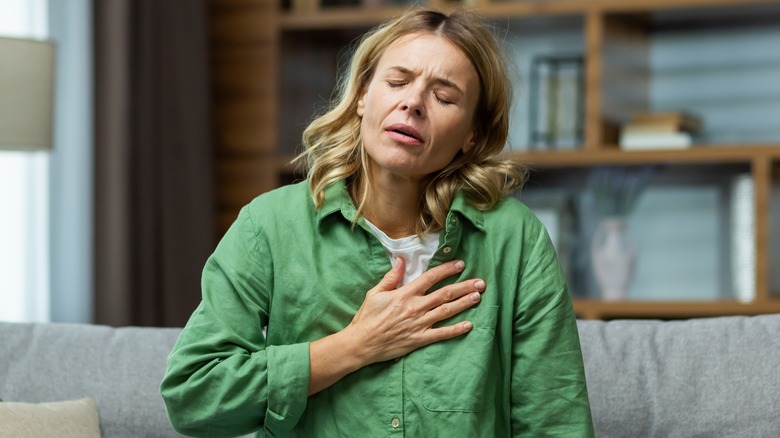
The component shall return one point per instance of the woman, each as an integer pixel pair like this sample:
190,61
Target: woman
402,292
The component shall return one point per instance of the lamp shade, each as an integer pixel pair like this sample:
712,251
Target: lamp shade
26,94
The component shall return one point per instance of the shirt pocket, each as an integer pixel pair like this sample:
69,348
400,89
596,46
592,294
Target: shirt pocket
460,374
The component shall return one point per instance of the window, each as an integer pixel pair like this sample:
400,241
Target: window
24,182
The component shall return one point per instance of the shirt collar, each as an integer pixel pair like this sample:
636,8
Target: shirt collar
461,205
337,199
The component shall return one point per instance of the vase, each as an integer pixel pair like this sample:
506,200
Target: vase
613,257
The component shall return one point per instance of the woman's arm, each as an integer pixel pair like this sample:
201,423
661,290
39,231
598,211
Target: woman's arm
221,379
549,396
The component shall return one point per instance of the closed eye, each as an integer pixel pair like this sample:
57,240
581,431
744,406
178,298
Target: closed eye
396,84
442,101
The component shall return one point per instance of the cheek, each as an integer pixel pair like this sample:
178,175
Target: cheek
364,128
369,129
458,131
369,109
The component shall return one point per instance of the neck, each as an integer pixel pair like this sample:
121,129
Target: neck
393,204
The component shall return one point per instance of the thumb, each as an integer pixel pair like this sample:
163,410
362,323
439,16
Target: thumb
394,276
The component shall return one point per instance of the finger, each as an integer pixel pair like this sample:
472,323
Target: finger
394,276
447,332
435,275
453,292
451,309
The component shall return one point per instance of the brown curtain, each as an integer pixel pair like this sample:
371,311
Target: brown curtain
154,203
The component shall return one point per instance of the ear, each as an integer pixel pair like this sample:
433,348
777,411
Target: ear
361,104
471,141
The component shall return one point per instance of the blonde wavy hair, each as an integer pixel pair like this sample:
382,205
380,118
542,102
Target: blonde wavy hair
334,150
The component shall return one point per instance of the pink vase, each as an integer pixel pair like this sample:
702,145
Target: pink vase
613,258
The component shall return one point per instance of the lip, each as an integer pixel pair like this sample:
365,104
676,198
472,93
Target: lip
407,133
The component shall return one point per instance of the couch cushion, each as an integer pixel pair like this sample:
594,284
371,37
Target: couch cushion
120,368
712,377
66,419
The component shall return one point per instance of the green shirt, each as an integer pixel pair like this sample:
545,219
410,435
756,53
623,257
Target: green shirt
303,273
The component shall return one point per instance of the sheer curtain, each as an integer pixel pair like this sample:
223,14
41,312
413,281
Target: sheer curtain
24,198
71,173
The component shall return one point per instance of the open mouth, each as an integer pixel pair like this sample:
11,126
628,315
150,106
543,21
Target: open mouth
405,132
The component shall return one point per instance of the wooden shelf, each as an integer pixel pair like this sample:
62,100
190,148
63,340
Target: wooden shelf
337,18
340,17
613,155
619,6
597,309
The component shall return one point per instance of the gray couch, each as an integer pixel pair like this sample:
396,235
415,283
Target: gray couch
716,377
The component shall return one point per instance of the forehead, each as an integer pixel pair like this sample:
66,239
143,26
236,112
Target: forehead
429,53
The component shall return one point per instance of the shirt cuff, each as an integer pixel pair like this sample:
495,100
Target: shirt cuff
288,385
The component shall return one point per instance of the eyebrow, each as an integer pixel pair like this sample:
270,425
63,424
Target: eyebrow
443,81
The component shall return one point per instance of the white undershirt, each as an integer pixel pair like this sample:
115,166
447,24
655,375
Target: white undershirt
415,251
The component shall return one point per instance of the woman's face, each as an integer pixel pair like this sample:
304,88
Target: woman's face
418,109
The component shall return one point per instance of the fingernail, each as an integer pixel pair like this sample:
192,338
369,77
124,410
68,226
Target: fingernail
460,265
479,284
466,325
474,296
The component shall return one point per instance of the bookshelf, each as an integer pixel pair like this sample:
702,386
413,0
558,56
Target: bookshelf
262,107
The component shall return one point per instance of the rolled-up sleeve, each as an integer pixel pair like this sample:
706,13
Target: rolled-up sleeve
222,379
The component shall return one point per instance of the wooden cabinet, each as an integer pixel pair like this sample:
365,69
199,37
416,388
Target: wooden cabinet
276,64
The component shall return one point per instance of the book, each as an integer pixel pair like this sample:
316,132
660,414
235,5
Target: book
652,128
556,107
667,121
661,130
637,141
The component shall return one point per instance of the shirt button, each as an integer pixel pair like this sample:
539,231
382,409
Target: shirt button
395,423
454,221
446,250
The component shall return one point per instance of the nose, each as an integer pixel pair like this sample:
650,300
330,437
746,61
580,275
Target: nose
413,103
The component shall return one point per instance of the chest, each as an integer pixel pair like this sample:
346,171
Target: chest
320,280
